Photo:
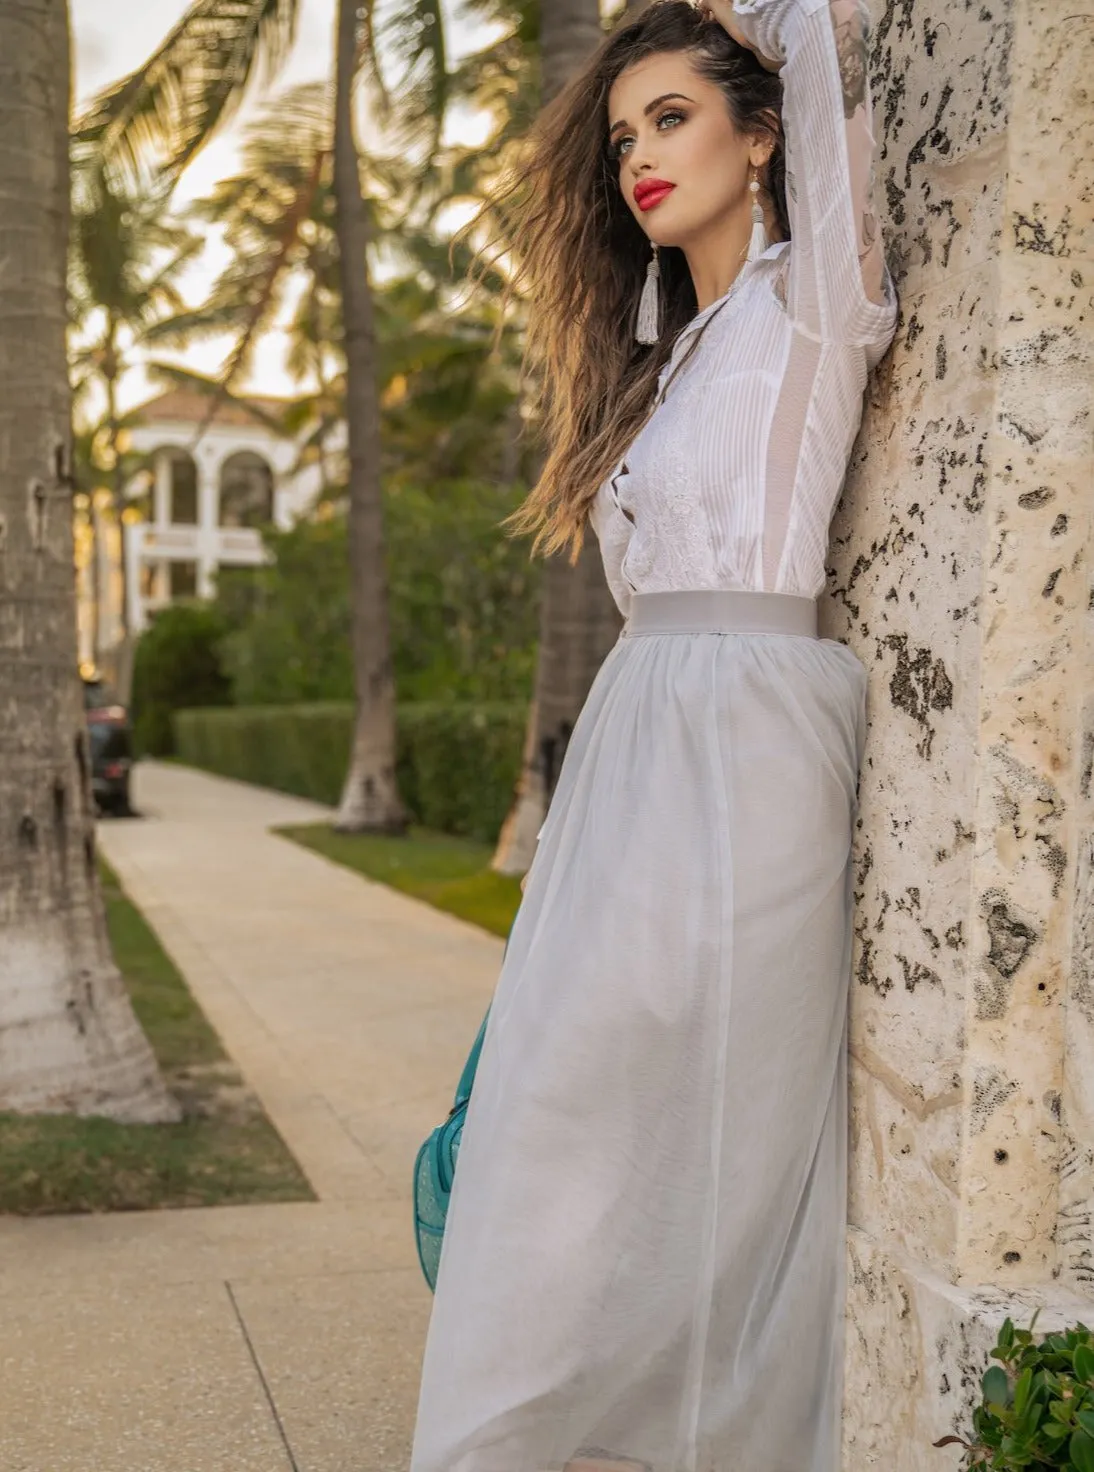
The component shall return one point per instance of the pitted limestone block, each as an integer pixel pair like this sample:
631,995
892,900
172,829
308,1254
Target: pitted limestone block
1028,817
1082,966
918,475
905,1152
961,575
1014,1067
940,92
917,1348
1009,1167
1011,940
929,417
1033,658
1019,933
1075,1228
907,1032
1051,189
1042,363
1075,1224
911,520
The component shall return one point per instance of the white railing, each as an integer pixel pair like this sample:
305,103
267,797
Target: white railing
242,541
190,543
167,541
208,547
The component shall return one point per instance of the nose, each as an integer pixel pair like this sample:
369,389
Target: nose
640,160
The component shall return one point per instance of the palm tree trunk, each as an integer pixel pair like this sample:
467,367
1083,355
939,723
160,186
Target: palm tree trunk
122,651
323,393
631,12
117,478
569,33
69,1042
578,618
370,798
94,577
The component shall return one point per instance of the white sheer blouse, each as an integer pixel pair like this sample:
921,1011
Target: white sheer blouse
733,480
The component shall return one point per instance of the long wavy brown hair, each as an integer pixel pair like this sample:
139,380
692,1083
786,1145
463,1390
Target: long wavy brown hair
581,261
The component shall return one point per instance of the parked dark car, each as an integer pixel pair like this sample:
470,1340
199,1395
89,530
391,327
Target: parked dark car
110,740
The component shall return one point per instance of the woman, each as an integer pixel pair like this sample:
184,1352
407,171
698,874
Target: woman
642,1268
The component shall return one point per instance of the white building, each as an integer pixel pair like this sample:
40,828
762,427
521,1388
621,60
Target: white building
213,485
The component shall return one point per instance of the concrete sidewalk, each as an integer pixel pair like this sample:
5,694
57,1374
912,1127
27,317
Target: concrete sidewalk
282,1338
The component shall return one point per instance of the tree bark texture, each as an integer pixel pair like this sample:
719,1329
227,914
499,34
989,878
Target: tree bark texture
370,798
117,475
569,33
579,621
69,1042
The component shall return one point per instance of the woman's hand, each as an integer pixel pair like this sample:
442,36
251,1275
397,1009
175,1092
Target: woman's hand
722,12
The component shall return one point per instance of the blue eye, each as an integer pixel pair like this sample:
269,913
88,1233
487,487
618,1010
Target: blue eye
621,146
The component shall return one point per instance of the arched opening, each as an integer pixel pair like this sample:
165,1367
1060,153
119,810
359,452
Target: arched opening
246,490
182,489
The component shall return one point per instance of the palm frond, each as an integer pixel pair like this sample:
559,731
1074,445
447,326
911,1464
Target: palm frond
269,281
368,61
188,87
127,257
523,14
414,36
314,330
196,324
160,289
287,146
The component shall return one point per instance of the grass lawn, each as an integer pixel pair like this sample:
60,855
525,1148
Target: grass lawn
225,1150
452,874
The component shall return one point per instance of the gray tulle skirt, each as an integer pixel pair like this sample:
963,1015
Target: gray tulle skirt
643,1266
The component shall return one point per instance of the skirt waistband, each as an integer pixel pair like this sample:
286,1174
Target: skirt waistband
721,611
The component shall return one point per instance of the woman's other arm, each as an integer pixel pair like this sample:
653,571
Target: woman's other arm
839,287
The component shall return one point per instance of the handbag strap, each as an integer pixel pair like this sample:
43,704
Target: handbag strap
470,1068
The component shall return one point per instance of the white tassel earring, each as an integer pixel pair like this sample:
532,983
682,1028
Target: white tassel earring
758,243
648,328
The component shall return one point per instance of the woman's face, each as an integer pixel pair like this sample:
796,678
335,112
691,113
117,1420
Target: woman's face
670,127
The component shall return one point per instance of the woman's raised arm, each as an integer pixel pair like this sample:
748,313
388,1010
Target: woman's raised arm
839,287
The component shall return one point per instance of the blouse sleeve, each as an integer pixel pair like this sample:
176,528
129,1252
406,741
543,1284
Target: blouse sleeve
839,288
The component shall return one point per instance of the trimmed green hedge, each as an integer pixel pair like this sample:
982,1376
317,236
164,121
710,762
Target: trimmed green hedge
457,763
176,665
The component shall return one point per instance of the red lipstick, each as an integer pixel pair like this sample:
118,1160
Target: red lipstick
650,192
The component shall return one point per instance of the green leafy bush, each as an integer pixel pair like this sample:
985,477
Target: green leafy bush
464,595
457,762
177,664
289,620
1038,1405
301,749
462,599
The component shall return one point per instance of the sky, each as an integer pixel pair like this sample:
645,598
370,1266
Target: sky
113,37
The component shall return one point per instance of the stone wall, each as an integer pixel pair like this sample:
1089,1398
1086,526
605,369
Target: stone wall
961,575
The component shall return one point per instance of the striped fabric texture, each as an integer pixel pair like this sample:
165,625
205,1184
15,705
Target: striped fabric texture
733,480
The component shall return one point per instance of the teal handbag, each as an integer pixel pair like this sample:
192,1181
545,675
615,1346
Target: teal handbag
435,1169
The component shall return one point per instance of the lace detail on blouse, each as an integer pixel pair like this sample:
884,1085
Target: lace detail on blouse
670,545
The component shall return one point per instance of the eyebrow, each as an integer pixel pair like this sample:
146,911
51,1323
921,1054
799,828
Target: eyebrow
650,106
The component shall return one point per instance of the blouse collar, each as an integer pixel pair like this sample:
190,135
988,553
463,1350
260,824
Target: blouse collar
769,254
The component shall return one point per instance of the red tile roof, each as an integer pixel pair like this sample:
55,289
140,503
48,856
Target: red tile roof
189,406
